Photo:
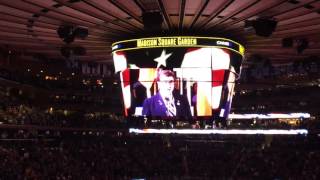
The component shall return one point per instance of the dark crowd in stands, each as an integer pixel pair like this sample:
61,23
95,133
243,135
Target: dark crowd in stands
262,69
13,111
60,144
99,147
60,81
127,156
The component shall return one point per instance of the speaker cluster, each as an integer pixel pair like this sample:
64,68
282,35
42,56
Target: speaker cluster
301,44
262,27
152,20
69,33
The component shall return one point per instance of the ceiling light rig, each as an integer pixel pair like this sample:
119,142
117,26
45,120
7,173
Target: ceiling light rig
263,27
68,33
300,44
152,21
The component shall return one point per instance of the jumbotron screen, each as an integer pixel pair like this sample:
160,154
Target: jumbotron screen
177,77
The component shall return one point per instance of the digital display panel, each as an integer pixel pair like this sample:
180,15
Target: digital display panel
177,77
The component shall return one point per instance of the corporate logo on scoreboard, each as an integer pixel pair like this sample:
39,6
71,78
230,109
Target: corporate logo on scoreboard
172,41
115,47
224,43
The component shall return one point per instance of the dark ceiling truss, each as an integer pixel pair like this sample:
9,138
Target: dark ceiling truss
67,17
297,6
232,15
303,14
47,15
297,34
28,29
126,10
139,4
97,6
228,25
19,35
281,27
181,13
107,20
286,30
199,13
238,29
31,25
165,14
221,8
58,22
16,32
311,24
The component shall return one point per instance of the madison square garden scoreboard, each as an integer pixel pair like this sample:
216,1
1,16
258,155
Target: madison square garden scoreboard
205,71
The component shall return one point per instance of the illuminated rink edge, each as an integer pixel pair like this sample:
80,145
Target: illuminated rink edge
220,131
269,116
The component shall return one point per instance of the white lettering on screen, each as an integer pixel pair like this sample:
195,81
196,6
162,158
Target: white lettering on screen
225,43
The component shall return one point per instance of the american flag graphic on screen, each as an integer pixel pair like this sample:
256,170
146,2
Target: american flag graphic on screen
207,68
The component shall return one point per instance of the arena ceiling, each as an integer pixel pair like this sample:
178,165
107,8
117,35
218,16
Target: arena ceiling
29,27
